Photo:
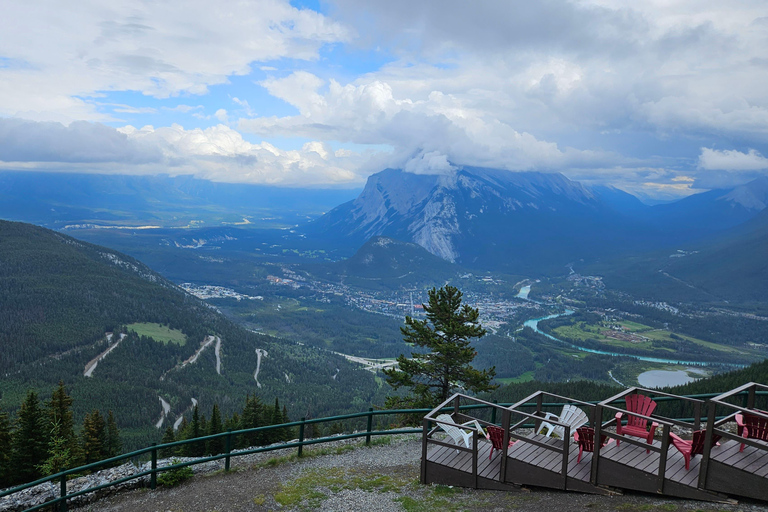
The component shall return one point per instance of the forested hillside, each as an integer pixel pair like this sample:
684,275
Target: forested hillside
63,303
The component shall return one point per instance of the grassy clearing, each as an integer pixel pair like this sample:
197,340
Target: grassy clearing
525,377
312,488
161,333
581,332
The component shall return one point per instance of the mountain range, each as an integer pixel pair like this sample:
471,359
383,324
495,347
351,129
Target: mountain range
528,222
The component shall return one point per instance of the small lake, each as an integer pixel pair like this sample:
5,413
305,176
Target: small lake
662,378
524,291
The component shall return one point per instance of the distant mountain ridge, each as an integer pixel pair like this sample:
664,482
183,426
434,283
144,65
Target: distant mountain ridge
386,263
527,221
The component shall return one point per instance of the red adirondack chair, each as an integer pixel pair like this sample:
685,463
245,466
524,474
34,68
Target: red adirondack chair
692,447
496,436
637,427
752,427
585,438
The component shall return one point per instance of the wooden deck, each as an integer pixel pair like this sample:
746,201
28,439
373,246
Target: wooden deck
620,467
719,474
740,473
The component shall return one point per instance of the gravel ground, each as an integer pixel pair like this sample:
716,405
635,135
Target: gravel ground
352,477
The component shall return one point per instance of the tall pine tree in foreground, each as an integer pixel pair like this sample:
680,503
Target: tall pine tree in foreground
444,368
30,440
5,450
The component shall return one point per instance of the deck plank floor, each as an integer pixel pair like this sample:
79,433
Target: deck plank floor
633,457
752,460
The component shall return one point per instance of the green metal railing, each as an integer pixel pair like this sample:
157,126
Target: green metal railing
368,433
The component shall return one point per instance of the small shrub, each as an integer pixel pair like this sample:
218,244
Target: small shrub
175,476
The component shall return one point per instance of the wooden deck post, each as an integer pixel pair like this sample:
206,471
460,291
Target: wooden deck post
597,423
456,405
506,419
566,454
696,415
474,457
663,459
751,397
493,412
424,435
537,423
704,466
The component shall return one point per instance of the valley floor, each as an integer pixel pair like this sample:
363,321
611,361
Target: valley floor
351,477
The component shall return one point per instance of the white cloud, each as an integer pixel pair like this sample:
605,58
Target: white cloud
218,153
732,160
434,124
62,54
221,115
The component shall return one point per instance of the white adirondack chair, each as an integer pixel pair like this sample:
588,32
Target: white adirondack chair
446,423
570,415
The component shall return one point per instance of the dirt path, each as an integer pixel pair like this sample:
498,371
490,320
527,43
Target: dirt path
217,351
259,353
166,410
181,416
93,363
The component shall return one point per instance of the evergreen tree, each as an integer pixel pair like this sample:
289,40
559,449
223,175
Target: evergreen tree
193,431
215,446
277,434
113,445
5,450
61,417
60,455
94,437
169,436
446,335
233,422
30,440
252,418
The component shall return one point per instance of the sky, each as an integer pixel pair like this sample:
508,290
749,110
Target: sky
661,98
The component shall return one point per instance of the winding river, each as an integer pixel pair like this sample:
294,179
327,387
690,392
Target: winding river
534,324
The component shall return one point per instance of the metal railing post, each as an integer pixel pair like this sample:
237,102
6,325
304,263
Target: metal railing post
63,502
370,427
301,435
153,474
228,449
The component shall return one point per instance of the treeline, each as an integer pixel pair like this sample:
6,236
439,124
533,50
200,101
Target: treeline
254,414
42,440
